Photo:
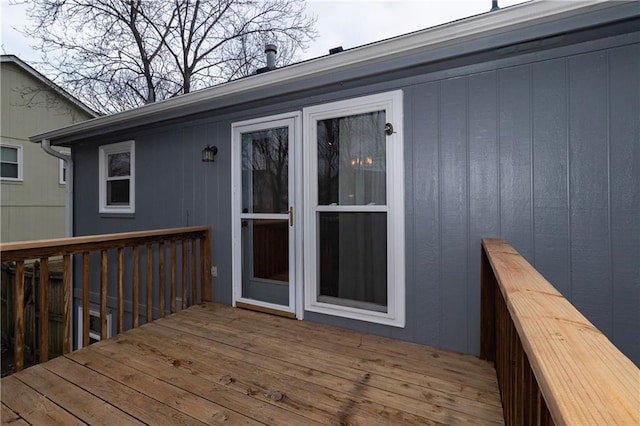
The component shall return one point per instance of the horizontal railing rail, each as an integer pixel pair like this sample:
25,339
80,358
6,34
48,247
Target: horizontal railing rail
553,365
194,239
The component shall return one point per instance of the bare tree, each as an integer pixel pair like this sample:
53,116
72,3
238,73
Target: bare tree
119,54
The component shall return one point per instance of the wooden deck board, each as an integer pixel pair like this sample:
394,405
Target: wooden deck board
218,365
9,416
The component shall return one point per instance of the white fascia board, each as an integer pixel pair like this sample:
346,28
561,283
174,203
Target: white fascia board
508,19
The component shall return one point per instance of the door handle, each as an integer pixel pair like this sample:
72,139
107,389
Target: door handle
291,216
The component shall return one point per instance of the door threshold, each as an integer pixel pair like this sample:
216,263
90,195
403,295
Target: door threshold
278,312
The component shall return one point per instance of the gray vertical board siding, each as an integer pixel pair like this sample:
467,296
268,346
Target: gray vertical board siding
550,165
483,184
624,159
422,233
514,99
453,164
219,207
541,150
588,174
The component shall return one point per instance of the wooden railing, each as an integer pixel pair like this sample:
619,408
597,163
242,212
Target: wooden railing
553,365
191,265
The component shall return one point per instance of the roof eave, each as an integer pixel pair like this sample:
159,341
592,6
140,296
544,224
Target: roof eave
37,75
504,20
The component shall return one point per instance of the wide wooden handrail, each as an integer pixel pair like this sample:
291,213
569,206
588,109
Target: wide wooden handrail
553,365
187,238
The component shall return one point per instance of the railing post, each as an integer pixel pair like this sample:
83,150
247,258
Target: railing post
85,299
44,309
205,251
172,276
183,285
160,280
120,291
18,350
103,294
149,282
194,272
487,309
134,286
66,303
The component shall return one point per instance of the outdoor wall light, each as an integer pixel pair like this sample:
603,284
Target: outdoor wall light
209,153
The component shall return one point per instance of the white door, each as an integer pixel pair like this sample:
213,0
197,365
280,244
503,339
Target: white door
264,214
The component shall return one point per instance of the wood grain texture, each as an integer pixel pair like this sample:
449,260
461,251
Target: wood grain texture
149,282
18,304
34,407
103,294
566,351
161,280
85,299
135,259
8,416
44,309
183,276
214,364
172,276
120,291
66,303
61,246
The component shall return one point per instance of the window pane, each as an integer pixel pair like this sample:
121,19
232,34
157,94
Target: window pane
119,164
265,260
353,259
352,160
265,171
9,170
118,192
8,155
94,324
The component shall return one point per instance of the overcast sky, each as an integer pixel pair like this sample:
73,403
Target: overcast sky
340,23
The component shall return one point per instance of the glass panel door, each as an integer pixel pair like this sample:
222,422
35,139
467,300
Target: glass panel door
264,268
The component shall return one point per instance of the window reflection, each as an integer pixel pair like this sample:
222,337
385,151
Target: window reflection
265,171
352,160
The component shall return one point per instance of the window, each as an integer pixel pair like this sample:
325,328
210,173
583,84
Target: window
354,236
117,178
94,326
62,173
11,162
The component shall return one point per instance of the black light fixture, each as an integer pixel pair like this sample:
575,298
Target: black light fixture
209,153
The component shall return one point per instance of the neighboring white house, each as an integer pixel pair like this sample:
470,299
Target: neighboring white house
32,201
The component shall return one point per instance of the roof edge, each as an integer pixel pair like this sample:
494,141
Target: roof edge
43,79
507,19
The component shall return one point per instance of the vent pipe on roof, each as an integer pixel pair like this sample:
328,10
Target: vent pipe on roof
494,5
270,50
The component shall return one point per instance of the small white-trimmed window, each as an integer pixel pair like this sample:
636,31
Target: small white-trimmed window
11,162
117,178
354,197
62,173
94,326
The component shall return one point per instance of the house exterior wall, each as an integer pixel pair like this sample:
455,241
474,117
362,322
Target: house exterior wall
541,149
33,208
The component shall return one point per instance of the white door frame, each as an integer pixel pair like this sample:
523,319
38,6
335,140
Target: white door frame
294,122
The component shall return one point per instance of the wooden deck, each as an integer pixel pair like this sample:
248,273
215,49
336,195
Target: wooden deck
213,364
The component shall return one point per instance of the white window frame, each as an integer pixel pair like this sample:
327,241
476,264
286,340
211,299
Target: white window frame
61,172
391,102
92,334
104,151
20,163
